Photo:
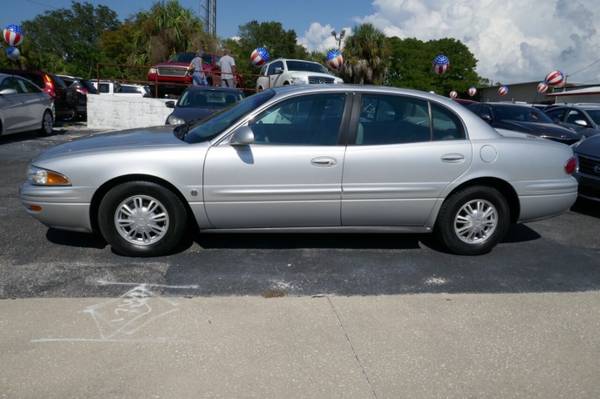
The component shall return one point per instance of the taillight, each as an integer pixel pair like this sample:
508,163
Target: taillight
49,86
571,166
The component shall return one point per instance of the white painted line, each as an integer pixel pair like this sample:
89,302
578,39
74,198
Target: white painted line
179,287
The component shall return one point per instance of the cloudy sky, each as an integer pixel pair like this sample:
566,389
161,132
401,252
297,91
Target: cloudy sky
514,40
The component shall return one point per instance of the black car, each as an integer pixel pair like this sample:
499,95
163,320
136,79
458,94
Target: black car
79,89
64,101
582,118
524,119
588,175
198,102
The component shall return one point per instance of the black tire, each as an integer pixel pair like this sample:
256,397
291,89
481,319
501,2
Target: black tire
173,207
46,130
286,83
445,224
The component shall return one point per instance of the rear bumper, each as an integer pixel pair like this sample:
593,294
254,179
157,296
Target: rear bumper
538,207
58,207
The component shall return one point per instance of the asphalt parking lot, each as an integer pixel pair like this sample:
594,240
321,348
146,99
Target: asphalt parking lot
556,255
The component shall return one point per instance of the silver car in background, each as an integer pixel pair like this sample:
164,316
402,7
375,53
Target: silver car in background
24,106
323,158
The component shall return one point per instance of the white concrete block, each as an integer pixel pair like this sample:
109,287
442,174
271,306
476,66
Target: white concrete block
108,111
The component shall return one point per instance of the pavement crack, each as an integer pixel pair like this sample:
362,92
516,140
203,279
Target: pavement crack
362,368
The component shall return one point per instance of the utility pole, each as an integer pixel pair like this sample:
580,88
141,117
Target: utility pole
208,13
339,38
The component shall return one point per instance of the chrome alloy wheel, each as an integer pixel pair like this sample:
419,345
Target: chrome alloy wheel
476,221
141,220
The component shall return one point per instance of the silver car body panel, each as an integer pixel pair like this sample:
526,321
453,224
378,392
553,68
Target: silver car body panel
265,188
22,112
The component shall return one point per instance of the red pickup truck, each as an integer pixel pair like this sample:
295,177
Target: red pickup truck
172,75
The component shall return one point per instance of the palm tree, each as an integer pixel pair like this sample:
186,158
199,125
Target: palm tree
365,56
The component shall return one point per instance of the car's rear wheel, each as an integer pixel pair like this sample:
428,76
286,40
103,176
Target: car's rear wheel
47,124
142,219
473,220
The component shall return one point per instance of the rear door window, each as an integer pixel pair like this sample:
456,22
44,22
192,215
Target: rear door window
446,125
388,119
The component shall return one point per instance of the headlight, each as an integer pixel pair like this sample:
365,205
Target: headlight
173,120
42,177
152,71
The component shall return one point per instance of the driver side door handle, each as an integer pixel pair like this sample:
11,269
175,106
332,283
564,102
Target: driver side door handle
323,161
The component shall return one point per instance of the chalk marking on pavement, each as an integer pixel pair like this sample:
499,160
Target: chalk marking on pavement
118,319
177,287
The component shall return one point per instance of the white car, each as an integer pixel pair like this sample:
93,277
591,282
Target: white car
121,89
283,72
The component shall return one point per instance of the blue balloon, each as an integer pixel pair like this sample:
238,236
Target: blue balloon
12,53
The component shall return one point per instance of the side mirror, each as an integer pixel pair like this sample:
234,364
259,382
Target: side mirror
581,122
486,117
170,104
242,136
278,71
7,92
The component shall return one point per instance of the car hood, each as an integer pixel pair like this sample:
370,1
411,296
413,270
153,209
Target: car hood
590,147
133,139
539,129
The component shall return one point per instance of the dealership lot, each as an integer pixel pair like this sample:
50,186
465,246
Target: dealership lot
304,315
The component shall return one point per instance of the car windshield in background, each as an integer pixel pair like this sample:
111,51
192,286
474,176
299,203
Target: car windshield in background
306,66
60,82
521,114
208,98
212,126
594,114
182,57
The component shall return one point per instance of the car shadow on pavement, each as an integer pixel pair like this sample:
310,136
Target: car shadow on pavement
587,207
34,135
75,239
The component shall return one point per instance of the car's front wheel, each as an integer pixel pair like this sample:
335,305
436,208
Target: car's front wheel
473,220
142,219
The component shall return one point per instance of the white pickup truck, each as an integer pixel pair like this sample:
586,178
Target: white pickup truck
121,89
282,72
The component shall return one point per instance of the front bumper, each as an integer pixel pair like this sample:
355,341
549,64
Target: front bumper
57,207
589,186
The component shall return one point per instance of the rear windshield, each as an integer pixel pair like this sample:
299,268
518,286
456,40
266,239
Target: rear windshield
208,98
59,82
521,114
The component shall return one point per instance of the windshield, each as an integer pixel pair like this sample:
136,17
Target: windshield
208,98
306,66
521,114
595,115
213,125
182,57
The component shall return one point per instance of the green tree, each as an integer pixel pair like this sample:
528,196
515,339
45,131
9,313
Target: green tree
411,65
67,40
365,56
152,36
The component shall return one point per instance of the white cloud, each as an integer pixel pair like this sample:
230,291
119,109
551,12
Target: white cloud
318,37
514,40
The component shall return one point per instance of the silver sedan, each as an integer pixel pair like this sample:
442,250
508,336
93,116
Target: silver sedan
306,159
24,106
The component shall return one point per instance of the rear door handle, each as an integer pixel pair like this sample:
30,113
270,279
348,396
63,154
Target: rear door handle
323,161
453,157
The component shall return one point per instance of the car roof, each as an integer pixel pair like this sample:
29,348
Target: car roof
293,59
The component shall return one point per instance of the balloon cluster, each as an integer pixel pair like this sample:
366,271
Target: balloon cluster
259,56
335,59
13,36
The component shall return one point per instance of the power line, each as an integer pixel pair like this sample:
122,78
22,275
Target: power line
39,3
584,68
